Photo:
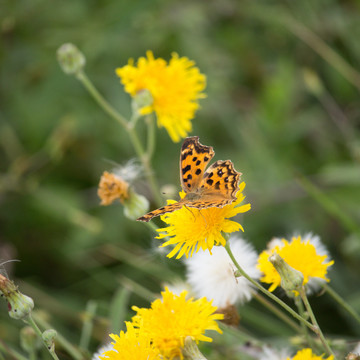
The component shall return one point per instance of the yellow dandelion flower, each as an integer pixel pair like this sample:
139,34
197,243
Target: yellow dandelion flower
175,89
191,229
112,187
171,319
307,354
133,344
300,255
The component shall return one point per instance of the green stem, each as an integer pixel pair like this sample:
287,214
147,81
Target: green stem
32,354
317,328
305,331
261,299
266,292
128,127
72,350
88,325
146,163
101,101
151,139
152,226
6,350
341,301
30,321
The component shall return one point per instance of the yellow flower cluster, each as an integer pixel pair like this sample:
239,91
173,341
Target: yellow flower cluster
160,332
307,354
300,255
191,229
175,89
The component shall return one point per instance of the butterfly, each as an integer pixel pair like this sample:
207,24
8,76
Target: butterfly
215,187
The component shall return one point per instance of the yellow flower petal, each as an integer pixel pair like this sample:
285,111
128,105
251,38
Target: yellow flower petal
191,229
307,354
133,344
174,87
301,255
171,319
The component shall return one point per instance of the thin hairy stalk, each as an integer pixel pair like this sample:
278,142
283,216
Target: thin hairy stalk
341,301
317,328
30,321
72,350
266,292
128,126
305,331
151,135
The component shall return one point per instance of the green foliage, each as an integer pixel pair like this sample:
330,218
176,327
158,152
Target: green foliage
294,138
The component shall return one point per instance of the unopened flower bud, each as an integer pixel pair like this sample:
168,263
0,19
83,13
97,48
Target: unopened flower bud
19,305
135,206
28,339
191,351
70,58
49,338
142,102
291,279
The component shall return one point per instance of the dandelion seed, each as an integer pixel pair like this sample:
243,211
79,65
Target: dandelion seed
213,276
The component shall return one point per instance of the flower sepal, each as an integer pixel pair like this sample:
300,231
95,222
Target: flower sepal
20,305
191,350
291,279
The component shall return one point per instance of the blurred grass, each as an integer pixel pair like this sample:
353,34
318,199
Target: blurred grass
261,111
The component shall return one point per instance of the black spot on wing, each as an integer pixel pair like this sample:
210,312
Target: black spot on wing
198,172
186,169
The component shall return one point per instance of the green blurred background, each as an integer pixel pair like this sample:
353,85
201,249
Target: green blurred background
282,103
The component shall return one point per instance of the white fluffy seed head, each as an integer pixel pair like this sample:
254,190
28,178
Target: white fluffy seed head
212,276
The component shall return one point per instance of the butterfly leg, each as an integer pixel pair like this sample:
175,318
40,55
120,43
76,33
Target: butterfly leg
190,211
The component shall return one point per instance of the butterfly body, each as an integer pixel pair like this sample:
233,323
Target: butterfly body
215,187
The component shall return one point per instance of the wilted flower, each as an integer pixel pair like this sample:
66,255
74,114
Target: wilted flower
113,187
20,305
